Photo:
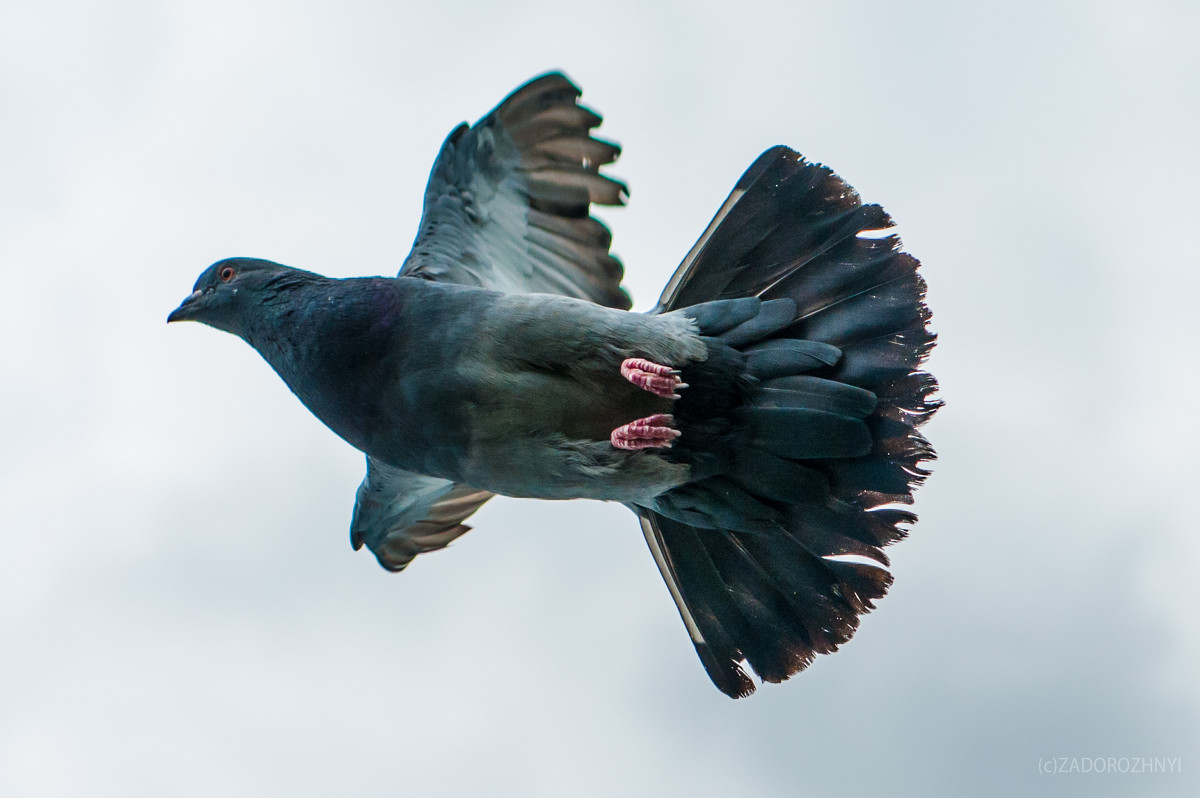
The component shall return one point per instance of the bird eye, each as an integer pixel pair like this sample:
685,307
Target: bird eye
226,274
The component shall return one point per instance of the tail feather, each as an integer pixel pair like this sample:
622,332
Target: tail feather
799,428
750,246
798,433
833,529
848,267
771,317
787,356
777,479
815,393
703,601
716,318
742,608
756,593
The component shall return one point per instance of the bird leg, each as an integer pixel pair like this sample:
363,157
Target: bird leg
651,432
659,380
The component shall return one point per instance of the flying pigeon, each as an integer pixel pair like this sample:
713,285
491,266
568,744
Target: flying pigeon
761,421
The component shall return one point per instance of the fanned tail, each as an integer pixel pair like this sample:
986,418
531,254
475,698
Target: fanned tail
801,427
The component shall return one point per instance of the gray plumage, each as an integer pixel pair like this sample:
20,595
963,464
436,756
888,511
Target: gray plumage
492,364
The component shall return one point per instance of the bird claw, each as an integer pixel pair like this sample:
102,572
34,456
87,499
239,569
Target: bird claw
659,380
651,432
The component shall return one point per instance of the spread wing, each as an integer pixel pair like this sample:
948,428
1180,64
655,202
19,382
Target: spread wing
399,514
508,200
507,208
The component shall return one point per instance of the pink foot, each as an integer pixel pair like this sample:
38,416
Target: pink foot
659,380
651,432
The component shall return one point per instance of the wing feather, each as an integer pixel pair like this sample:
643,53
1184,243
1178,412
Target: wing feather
399,514
508,201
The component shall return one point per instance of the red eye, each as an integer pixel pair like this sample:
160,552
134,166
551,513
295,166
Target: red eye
226,274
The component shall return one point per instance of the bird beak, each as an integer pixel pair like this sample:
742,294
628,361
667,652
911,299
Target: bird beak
187,309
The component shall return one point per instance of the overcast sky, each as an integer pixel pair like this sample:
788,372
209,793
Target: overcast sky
180,609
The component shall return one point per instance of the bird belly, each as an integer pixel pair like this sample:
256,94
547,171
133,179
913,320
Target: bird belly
545,434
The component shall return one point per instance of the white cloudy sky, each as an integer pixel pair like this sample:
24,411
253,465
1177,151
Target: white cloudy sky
180,609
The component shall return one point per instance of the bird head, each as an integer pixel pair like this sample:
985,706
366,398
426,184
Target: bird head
229,291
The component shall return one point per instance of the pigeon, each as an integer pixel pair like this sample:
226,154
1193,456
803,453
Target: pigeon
762,420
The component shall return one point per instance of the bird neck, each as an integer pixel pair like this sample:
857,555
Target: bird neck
329,340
